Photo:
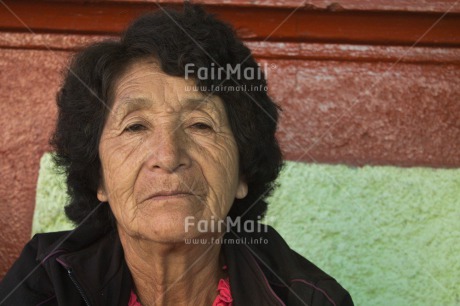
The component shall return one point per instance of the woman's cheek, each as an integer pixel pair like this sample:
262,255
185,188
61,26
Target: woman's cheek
124,151
220,162
122,162
219,146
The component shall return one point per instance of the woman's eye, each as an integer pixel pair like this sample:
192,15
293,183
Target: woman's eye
201,126
135,128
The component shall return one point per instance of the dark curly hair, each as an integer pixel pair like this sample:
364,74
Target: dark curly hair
174,38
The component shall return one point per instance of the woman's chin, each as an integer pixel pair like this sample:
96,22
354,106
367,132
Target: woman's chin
170,235
167,227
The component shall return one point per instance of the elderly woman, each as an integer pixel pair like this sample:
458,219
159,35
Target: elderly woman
168,163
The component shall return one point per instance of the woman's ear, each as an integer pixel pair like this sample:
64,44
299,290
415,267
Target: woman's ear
101,194
242,189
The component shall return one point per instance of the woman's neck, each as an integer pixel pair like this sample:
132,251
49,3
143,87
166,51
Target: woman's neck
173,274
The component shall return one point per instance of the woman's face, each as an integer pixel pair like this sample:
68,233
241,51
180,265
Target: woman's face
167,153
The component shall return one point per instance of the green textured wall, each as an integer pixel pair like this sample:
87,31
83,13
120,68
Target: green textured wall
390,235
51,197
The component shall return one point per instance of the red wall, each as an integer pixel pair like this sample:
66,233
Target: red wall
352,88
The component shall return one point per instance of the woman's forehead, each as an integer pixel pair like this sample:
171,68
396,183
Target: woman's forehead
144,85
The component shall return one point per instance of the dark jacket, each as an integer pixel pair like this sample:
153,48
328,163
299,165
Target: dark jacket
87,267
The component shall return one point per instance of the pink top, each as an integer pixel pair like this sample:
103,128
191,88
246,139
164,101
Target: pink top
224,298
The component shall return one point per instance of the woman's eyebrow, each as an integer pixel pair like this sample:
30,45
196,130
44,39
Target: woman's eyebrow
195,102
204,104
128,105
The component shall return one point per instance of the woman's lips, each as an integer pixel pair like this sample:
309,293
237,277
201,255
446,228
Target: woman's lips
164,188
169,195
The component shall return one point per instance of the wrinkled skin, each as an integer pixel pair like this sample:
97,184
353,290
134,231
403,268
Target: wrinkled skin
166,153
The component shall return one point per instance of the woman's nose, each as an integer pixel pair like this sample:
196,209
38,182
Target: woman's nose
169,151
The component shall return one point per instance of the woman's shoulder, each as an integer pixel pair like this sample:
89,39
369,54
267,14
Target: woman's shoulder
31,279
27,282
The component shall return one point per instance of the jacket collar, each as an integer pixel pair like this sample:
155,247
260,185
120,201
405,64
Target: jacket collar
97,261
249,285
101,271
